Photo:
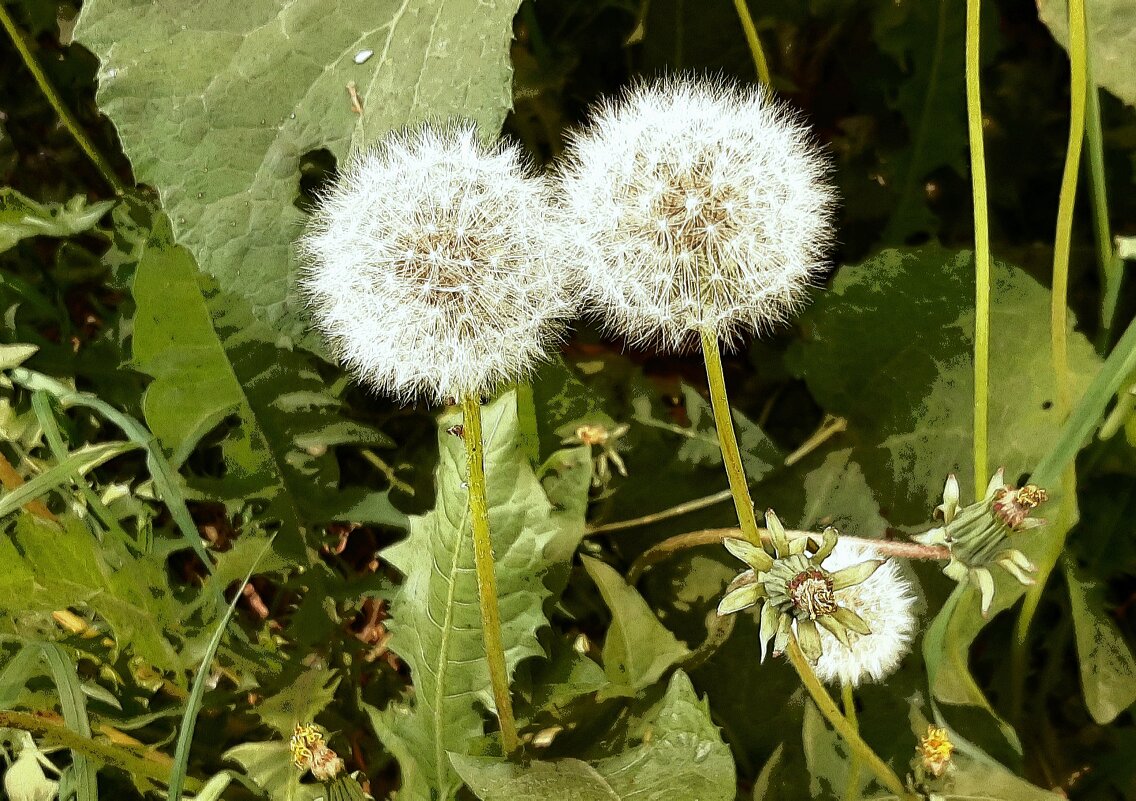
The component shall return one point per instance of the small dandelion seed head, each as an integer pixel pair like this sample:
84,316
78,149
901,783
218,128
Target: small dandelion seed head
688,178
935,750
885,601
432,266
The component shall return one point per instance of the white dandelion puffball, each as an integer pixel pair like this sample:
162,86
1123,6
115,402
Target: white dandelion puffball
886,602
428,265
703,206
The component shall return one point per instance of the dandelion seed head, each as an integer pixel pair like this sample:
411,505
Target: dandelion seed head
886,603
687,178
432,268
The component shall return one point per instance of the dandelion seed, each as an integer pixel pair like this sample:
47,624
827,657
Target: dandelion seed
703,208
431,266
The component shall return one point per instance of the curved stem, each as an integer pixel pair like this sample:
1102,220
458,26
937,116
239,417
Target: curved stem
153,765
1058,315
486,578
846,730
981,248
848,701
727,440
665,514
56,102
754,42
713,536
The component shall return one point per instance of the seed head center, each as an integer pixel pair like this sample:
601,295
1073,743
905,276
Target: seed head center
811,592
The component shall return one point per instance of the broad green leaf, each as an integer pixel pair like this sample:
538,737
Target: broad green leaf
1112,39
49,566
22,217
637,649
301,700
270,766
684,757
436,625
206,369
216,105
1108,670
889,348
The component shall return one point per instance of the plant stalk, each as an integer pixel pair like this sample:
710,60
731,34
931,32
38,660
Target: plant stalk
1058,317
981,248
56,101
754,42
727,440
844,728
486,578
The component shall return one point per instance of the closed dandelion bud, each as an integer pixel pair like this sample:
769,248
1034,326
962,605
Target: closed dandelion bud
797,593
429,266
885,601
978,536
703,208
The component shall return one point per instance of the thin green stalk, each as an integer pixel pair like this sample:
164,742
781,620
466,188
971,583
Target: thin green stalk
728,441
486,578
981,248
848,700
844,728
1111,267
56,102
754,42
1078,87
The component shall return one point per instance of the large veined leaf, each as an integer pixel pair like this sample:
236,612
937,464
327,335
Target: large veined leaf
683,758
217,102
436,624
206,370
1108,670
890,348
1112,37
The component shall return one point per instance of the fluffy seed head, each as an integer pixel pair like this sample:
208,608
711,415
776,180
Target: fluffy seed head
885,601
703,206
428,266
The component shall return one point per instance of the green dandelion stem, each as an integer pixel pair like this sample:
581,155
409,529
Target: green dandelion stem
754,42
848,700
727,440
486,578
844,728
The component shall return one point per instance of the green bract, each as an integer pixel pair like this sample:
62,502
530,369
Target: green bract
978,535
786,575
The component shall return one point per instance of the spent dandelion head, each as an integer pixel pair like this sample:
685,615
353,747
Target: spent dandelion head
885,601
431,266
797,593
702,207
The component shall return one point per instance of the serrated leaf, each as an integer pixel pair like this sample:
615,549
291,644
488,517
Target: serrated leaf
270,766
436,624
637,649
215,107
1111,32
684,757
889,348
21,217
1107,667
301,700
207,368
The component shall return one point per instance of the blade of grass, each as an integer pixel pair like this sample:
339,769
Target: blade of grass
164,476
197,692
73,704
78,463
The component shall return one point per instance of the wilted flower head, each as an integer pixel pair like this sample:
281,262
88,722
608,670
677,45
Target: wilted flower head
978,535
885,601
795,591
935,750
703,206
310,752
429,268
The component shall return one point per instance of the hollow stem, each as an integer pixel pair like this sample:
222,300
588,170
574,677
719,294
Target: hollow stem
53,97
848,700
727,440
486,578
754,42
860,749
981,247
1058,322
